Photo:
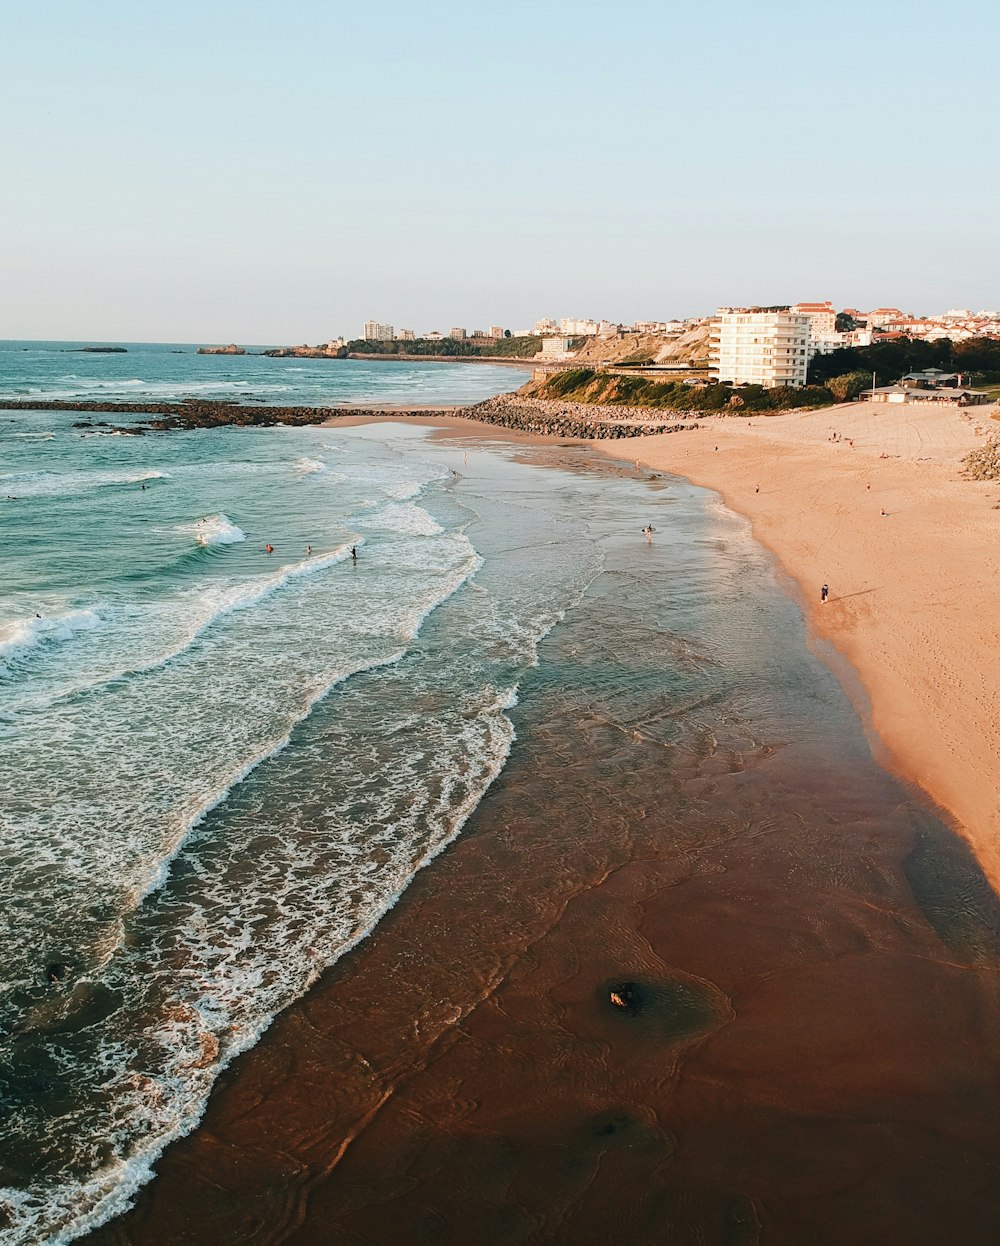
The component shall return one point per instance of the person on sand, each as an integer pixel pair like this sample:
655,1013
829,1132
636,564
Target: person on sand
885,513
756,488
824,593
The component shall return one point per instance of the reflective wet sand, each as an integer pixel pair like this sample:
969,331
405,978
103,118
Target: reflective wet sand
804,1044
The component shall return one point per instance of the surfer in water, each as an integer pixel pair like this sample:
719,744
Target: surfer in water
354,553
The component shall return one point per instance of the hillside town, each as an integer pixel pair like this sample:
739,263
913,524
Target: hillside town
768,346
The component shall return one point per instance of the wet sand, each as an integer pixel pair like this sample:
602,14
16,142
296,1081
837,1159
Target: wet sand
808,961
911,552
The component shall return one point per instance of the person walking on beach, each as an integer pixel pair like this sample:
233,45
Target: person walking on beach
824,593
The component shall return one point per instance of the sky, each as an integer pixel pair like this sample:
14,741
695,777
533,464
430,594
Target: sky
265,173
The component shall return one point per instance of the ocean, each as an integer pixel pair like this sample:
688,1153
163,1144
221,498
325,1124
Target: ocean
221,767
168,371
154,658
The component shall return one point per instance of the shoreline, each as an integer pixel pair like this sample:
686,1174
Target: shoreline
910,625
460,1071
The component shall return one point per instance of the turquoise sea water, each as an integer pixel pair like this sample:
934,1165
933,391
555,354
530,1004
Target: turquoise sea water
153,656
157,371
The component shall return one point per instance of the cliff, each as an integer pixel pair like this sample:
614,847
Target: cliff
690,347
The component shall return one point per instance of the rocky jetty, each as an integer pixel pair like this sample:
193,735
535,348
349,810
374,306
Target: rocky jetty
231,349
526,415
572,419
307,352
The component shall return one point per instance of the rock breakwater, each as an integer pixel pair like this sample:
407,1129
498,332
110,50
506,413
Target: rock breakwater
572,419
527,415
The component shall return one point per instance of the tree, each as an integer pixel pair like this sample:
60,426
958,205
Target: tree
847,387
506,333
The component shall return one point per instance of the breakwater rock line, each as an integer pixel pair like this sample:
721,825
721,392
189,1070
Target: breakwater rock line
527,415
571,419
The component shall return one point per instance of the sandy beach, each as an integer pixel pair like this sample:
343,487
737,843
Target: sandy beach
782,909
910,551
913,593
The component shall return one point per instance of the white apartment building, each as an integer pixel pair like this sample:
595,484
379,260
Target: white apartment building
824,343
573,326
458,334
406,335
543,326
822,316
760,346
658,326
495,331
375,332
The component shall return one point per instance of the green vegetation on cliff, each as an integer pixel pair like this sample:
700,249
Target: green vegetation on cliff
587,385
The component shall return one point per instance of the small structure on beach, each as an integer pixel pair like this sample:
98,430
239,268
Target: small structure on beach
931,385
947,394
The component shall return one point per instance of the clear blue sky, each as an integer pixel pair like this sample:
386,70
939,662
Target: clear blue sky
261,172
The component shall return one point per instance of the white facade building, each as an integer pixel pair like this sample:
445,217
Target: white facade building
375,332
822,316
556,348
495,330
573,326
545,325
760,346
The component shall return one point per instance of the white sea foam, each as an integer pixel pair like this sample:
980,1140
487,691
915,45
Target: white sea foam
214,530
309,467
362,795
405,517
55,484
19,636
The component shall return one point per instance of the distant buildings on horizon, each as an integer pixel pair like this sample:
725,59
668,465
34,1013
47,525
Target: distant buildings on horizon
770,346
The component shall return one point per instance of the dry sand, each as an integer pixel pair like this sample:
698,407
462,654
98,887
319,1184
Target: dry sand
914,594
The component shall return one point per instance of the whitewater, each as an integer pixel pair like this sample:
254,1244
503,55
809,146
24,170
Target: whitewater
220,766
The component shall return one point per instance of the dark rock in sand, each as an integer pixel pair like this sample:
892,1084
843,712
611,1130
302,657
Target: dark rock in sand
626,996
